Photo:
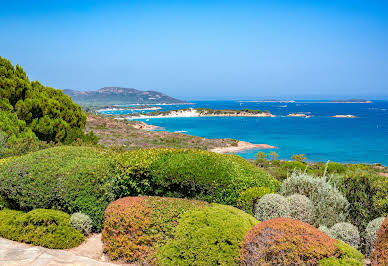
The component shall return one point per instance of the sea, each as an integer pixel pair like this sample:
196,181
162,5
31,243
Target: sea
320,136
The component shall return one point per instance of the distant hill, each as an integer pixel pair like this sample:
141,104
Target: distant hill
118,95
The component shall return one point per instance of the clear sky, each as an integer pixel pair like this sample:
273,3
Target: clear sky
203,49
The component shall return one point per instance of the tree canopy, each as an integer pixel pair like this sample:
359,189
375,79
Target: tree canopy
30,109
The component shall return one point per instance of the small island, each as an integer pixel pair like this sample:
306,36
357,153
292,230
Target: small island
344,116
351,101
298,115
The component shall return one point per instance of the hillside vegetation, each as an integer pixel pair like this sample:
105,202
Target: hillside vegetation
174,206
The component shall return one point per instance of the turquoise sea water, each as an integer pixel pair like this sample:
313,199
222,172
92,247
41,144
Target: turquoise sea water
320,137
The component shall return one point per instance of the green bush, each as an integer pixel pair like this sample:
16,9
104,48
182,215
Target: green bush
71,179
249,197
207,236
34,109
81,222
271,206
301,208
371,232
329,204
46,228
345,232
367,195
193,174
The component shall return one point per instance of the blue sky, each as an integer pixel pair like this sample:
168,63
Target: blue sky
203,49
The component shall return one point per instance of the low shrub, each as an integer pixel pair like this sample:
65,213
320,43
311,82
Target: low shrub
249,197
46,228
272,206
81,222
135,227
300,208
371,232
379,255
345,232
284,241
192,174
329,204
71,179
208,236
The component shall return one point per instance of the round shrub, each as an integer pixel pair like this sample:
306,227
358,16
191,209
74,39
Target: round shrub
300,208
249,197
379,255
195,174
329,204
371,231
81,222
135,227
285,241
46,228
208,236
67,178
346,232
272,206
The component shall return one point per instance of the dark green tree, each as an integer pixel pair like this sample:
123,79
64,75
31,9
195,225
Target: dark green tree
36,110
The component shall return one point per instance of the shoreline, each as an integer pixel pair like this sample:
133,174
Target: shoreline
241,146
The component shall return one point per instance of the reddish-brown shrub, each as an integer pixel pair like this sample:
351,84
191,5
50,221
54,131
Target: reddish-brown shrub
284,241
380,253
134,227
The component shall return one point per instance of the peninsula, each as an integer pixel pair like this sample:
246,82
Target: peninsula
201,112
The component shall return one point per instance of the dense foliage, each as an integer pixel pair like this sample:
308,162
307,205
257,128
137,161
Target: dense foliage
284,241
208,236
367,194
193,174
135,227
329,204
379,255
71,179
29,110
46,228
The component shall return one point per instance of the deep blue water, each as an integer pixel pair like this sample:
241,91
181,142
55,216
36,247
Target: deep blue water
320,137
